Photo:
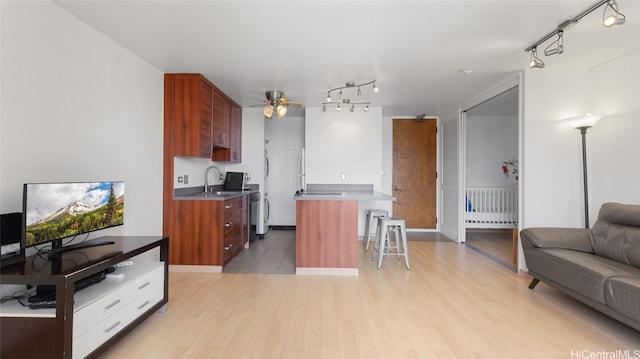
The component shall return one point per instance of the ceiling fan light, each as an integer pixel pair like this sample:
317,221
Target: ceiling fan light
267,111
281,111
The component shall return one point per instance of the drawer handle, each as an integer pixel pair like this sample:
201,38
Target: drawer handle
227,225
143,305
144,285
228,206
227,248
112,327
112,304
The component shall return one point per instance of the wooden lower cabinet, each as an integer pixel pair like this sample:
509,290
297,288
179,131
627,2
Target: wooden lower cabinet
206,232
232,229
327,234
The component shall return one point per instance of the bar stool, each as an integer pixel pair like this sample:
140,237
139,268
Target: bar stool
383,239
371,218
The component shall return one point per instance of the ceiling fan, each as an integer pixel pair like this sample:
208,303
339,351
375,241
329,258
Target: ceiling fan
276,102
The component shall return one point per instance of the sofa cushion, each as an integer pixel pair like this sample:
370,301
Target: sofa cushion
581,272
616,234
622,294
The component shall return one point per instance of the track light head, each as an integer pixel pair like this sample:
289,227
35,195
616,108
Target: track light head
375,88
614,18
535,62
558,48
328,96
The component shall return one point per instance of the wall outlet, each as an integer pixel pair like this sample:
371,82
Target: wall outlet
186,179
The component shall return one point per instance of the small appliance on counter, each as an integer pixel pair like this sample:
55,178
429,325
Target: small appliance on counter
234,181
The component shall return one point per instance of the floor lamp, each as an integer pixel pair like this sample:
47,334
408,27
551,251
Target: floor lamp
582,124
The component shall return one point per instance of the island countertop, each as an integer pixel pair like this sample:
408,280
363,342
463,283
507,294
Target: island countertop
338,192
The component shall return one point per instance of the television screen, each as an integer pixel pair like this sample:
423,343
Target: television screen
53,211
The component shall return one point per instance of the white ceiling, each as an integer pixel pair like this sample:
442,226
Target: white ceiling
414,49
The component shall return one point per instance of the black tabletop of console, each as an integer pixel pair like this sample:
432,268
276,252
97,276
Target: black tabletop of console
40,266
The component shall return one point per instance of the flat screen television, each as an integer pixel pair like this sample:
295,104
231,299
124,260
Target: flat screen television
53,212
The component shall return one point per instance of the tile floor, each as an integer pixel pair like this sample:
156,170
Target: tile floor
276,253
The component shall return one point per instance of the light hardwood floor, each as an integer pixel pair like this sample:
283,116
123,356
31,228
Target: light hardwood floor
453,303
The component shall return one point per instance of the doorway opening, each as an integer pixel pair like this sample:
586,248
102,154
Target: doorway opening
491,177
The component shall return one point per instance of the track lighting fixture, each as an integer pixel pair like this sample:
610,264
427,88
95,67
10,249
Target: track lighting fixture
555,47
611,16
535,62
347,86
350,85
346,102
615,18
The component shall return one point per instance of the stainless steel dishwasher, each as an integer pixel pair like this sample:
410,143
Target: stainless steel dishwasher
254,215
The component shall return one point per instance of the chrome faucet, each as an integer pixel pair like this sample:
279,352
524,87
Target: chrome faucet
206,177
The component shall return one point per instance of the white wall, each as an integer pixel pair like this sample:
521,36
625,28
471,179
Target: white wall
344,142
490,141
552,155
75,106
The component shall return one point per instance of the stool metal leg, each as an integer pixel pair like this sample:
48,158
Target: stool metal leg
405,248
367,228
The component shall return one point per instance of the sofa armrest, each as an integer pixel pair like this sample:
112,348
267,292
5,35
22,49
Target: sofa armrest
568,238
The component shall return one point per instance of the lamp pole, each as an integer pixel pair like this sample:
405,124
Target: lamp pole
582,124
583,133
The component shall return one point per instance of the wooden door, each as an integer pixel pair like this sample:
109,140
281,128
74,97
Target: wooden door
414,172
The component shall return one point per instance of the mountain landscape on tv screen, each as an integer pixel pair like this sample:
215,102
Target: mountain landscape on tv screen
76,218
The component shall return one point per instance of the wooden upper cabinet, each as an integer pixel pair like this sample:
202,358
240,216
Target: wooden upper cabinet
221,120
190,114
200,120
236,134
227,130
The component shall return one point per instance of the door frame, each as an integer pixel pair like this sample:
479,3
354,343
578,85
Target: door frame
517,80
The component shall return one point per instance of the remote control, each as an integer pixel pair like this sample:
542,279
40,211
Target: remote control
43,304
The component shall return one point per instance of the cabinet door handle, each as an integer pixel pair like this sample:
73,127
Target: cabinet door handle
228,206
143,305
227,248
109,306
112,327
227,225
144,285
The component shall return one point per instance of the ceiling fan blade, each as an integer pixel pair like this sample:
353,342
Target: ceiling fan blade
294,105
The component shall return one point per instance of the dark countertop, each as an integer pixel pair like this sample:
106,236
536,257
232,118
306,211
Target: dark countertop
340,192
216,193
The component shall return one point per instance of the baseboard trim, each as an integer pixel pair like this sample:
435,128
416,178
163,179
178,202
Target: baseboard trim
194,268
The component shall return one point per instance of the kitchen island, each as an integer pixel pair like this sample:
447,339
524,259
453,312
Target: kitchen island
327,227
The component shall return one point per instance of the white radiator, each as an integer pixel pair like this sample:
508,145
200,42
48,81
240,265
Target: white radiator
491,207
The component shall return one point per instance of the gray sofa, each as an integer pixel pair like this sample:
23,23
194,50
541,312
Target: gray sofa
599,267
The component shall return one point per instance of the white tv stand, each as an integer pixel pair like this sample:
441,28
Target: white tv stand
88,322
